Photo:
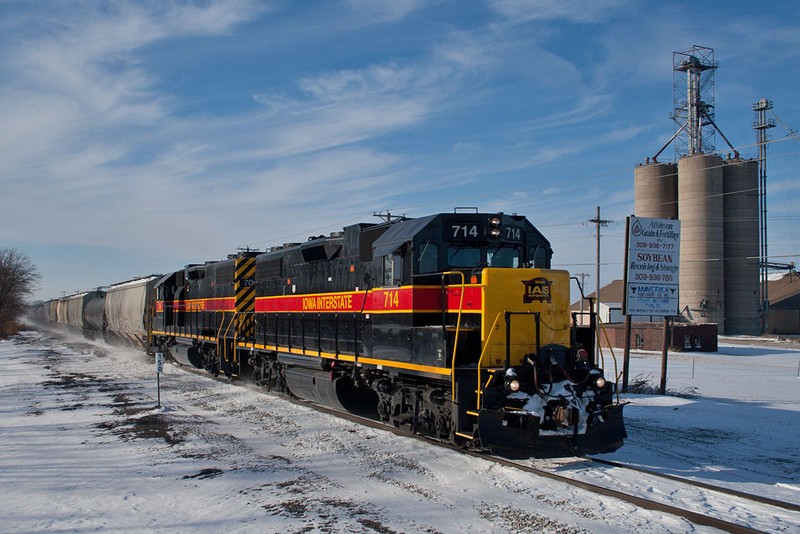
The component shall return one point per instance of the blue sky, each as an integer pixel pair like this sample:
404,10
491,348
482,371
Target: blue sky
141,136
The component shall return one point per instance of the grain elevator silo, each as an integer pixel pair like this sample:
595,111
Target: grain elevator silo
741,250
702,242
715,200
656,190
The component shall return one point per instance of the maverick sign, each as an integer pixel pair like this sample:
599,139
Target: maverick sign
652,260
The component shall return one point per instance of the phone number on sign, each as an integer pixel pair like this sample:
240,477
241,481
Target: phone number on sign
655,246
653,277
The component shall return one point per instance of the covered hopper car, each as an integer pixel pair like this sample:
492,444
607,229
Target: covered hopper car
120,313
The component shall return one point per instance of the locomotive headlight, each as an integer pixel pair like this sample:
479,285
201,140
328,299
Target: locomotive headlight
494,227
600,382
512,385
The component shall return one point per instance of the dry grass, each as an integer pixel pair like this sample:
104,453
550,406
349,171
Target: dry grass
646,385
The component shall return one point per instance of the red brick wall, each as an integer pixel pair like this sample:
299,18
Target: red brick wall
650,336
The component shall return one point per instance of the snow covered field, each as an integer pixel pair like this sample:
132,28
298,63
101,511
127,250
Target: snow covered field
85,449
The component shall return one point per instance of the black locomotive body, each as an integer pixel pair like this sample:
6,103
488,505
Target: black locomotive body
451,325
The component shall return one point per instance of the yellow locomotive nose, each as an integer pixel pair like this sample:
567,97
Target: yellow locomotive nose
519,296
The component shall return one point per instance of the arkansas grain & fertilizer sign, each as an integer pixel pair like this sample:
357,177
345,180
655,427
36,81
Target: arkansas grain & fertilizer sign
653,258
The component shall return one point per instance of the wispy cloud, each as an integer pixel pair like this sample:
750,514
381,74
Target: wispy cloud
370,12
574,10
75,101
339,108
111,155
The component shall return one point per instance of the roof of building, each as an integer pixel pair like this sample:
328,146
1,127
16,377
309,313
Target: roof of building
612,292
784,292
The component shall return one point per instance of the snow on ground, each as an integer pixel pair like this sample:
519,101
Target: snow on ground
739,429
86,449
742,429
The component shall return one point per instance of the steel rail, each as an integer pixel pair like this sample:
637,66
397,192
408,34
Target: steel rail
735,493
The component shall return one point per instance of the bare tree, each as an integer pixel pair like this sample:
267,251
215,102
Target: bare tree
18,278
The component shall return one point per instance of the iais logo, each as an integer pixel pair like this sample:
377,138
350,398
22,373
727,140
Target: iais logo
537,289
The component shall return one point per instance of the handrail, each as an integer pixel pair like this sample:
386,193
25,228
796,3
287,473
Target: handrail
235,331
611,349
597,339
222,322
458,326
480,359
151,313
507,315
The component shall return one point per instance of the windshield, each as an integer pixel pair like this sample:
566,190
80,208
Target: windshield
463,257
502,257
539,257
483,257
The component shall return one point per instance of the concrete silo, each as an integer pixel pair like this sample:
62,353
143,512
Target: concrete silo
655,188
741,230
700,194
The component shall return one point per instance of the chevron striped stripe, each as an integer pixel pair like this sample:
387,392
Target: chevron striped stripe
245,295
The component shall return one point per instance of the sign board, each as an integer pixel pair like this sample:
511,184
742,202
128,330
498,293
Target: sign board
159,362
653,258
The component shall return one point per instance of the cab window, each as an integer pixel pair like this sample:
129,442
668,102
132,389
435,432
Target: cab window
392,270
538,257
508,257
463,256
502,257
427,258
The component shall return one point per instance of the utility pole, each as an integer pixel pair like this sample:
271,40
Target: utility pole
598,222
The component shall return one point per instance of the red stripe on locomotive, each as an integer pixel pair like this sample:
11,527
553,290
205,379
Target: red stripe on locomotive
406,299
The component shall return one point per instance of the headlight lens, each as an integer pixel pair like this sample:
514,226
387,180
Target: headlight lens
600,382
512,385
495,232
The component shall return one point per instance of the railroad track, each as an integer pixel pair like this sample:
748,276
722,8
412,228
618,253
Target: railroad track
696,483
697,518
694,517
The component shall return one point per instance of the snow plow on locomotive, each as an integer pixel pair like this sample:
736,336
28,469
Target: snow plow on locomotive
451,325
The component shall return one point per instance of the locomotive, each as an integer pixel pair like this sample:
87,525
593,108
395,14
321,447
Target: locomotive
452,326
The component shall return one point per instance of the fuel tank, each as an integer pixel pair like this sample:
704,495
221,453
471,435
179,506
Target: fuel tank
338,393
187,355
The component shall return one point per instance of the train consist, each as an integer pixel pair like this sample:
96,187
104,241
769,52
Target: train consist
451,325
